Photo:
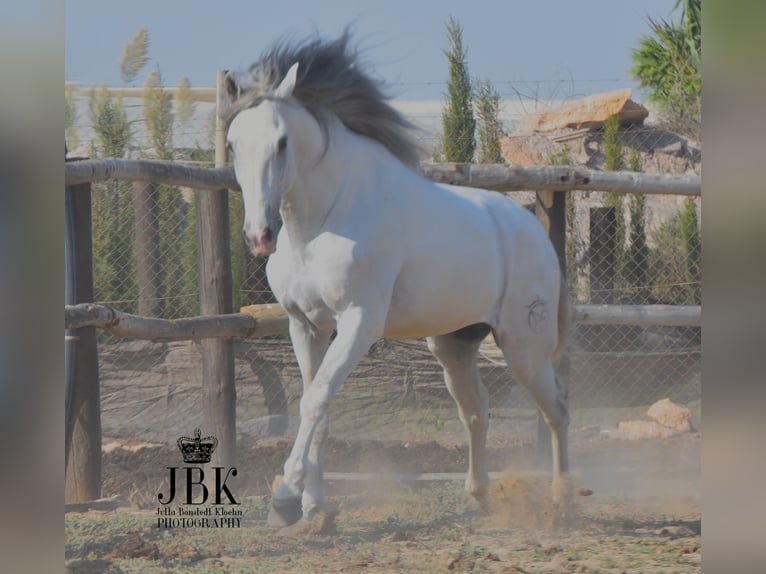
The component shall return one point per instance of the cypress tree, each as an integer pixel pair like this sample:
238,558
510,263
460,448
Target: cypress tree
457,117
488,124
614,162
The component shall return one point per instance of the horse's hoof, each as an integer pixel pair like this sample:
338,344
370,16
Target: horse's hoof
484,502
284,512
481,495
321,523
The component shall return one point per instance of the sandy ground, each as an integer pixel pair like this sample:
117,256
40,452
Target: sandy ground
635,508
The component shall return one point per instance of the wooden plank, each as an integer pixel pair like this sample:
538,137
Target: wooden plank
492,177
83,419
271,318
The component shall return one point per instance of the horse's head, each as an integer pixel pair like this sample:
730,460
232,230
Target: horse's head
264,161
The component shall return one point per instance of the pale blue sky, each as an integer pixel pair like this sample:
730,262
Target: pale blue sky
539,48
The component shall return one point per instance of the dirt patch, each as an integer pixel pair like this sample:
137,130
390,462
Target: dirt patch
640,470
523,500
642,514
432,529
137,475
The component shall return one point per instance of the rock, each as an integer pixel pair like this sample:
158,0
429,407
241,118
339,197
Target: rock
637,430
516,151
671,415
590,112
676,148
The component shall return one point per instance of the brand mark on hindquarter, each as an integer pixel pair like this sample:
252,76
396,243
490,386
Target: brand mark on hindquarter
537,314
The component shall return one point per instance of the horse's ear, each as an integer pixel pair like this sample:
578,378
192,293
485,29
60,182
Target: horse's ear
286,87
232,86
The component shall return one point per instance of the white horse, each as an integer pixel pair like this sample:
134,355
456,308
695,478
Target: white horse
371,249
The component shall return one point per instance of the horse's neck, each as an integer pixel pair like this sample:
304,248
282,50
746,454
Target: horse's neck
331,184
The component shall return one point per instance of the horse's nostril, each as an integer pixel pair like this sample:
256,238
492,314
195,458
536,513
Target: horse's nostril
268,235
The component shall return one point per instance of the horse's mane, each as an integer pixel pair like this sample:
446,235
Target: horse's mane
331,80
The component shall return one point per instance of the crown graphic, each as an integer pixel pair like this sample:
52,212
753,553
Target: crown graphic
197,449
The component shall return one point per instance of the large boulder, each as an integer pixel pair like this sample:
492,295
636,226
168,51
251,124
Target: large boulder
590,112
668,419
640,430
671,415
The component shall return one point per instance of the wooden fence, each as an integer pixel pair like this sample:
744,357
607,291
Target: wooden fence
219,324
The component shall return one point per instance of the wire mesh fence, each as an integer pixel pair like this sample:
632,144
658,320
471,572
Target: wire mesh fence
620,249
152,390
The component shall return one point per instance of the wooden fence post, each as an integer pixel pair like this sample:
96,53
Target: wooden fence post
602,257
215,285
550,209
603,241
83,408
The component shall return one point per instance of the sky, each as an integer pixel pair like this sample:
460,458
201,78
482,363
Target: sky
546,49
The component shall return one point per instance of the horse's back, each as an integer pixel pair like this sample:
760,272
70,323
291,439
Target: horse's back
465,248
519,234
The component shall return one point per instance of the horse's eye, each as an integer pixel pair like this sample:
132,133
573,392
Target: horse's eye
282,143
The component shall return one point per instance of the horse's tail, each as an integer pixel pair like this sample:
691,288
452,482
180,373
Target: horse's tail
564,319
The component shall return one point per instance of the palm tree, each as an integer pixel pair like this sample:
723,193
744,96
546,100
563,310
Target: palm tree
668,63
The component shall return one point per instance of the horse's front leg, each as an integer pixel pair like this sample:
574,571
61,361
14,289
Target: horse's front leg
310,347
358,328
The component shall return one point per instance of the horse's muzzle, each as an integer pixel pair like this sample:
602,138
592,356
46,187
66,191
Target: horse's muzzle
264,243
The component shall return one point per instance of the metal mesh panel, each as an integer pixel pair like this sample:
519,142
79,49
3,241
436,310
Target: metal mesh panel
397,391
152,390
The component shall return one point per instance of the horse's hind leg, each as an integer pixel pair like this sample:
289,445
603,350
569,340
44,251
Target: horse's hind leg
532,363
457,353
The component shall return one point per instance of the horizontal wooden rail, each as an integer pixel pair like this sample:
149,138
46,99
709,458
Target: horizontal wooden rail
639,315
171,173
492,177
257,321
560,178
